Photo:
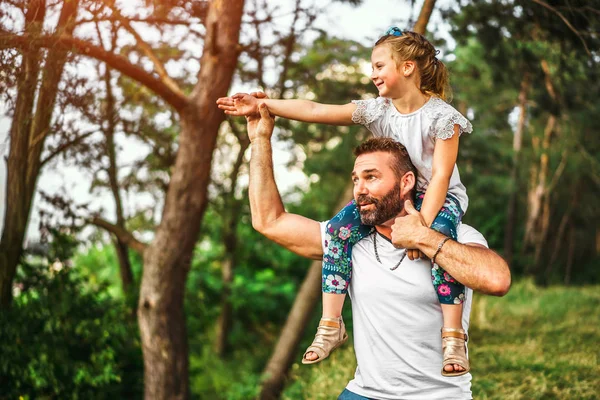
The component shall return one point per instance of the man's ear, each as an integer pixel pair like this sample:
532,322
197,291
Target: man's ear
407,183
407,68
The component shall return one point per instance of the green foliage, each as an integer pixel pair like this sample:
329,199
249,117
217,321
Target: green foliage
62,340
230,379
500,46
100,265
532,344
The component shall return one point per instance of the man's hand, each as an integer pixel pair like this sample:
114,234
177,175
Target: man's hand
406,230
241,104
260,125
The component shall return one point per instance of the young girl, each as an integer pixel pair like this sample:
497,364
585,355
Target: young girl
413,86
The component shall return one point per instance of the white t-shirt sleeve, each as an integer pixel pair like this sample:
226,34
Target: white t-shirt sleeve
370,113
468,234
324,235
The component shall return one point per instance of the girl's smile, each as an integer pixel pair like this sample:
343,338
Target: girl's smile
386,75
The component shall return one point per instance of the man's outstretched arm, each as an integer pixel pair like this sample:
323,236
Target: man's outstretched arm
472,264
294,232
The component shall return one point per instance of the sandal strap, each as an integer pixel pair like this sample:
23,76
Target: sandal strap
455,333
331,322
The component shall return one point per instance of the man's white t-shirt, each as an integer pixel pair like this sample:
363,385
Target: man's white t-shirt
397,320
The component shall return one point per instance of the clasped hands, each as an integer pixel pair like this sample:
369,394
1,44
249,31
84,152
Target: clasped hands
259,119
241,104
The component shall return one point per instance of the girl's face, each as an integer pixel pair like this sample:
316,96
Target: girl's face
386,75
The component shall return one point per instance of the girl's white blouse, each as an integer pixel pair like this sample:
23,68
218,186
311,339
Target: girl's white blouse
417,131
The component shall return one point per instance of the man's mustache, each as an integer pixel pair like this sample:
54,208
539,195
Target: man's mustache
366,199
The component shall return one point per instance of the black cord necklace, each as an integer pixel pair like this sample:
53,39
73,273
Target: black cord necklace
377,254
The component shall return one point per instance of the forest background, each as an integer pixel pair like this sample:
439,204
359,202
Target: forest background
155,285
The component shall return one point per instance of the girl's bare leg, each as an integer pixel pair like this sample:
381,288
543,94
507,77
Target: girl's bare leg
332,308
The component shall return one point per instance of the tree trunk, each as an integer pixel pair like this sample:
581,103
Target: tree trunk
561,232
307,298
543,232
18,198
511,214
112,171
167,259
538,189
127,280
27,136
570,254
225,320
424,15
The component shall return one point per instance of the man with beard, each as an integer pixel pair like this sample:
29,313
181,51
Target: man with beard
396,314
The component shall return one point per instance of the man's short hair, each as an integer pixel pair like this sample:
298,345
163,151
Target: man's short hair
402,163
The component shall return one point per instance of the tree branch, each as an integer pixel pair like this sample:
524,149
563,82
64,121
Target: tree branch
122,234
147,50
566,21
558,172
149,20
64,147
120,63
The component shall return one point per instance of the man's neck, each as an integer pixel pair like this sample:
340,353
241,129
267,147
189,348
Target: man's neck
386,228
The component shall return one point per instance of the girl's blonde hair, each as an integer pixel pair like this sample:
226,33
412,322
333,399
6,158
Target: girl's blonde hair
415,47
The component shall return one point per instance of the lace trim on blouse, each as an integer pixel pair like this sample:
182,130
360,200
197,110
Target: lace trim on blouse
445,117
442,115
368,111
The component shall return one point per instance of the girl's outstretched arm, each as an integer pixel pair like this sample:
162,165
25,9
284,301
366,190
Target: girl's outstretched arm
299,110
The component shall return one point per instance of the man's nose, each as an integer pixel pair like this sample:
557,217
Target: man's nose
360,187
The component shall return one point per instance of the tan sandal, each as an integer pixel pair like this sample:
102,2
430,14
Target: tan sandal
454,348
331,334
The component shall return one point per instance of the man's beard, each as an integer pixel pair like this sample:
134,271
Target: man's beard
385,208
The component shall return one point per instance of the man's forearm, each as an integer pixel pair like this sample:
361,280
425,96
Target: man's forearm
265,201
473,265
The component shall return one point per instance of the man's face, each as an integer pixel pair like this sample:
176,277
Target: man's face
377,190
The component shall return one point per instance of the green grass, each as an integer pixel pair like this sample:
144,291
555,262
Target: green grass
534,343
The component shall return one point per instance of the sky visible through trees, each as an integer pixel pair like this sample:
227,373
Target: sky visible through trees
362,23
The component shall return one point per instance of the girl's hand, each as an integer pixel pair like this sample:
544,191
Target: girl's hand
240,104
259,95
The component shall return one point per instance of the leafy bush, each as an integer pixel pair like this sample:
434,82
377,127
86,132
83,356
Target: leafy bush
62,340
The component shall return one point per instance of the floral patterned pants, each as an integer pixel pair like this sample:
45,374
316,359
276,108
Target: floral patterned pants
345,229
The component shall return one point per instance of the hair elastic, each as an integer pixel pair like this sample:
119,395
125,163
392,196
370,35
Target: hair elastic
393,31
435,59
